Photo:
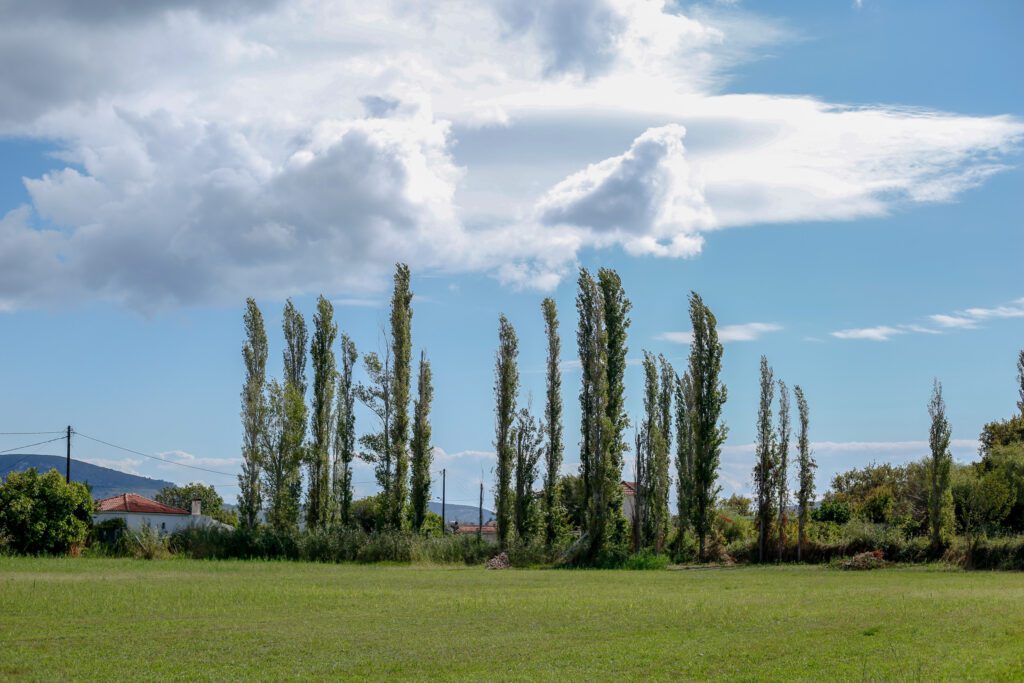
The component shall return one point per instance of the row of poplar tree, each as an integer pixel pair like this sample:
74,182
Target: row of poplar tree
283,434
521,440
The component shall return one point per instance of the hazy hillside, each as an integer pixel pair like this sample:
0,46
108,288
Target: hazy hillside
103,480
463,514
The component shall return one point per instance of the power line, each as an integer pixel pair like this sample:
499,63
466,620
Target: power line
59,438
60,431
154,457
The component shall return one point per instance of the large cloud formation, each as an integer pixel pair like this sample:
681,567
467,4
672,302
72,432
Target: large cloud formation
211,151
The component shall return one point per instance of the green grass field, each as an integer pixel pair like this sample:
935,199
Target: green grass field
66,619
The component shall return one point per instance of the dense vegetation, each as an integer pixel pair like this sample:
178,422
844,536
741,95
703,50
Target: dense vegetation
300,439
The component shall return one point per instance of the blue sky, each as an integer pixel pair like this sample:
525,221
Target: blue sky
840,182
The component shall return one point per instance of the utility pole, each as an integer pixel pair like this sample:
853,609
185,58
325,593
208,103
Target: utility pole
67,474
480,526
444,519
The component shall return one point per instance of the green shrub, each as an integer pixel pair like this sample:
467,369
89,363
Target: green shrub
386,546
528,555
646,559
148,544
832,510
43,514
988,553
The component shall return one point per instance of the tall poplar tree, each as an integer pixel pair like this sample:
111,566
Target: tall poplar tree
652,462
376,395
325,370
422,451
765,451
506,388
554,514
401,354
344,434
782,465
286,434
805,496
1020,382
660,473
616,325
709,394
254,416
684,452
940,464
528,440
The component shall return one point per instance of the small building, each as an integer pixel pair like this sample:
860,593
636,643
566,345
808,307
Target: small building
628,499
488,532
138,511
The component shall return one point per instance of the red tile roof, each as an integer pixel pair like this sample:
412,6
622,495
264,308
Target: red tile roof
133,502
629,488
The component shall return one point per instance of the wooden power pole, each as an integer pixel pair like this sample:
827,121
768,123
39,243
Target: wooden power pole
67,473
444,519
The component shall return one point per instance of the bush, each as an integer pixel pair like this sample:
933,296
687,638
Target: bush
988,553
832,510
528,555
43,514
148,544
645,559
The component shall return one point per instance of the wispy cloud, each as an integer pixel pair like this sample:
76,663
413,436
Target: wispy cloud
959,320
726,333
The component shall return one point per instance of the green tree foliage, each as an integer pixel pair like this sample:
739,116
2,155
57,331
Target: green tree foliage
210,502
684,451
325,371
1001,433
528,439
940,499
782,466
806,466
286,427
422,450
709,394
1006,463
982,500
282,480
554,511
651,502
1020,383
616,325
377,449
740,505
506,389
41,513
765,453
344,434
401,354
254,415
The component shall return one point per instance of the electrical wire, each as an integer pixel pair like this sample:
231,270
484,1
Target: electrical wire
40,443
154,457
60,431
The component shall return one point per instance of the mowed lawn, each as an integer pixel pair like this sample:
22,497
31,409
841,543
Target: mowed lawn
64,619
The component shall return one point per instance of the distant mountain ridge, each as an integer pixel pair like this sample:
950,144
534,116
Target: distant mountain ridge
103,481
463,514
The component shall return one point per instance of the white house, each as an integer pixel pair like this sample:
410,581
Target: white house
138,511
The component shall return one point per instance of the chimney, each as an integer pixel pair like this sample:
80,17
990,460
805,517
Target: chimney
197,507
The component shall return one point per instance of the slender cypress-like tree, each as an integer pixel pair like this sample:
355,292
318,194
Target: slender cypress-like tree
684,452
325,371
616,324
422,450
528,439
782,465
344,434
1020,382
765,451
506,388
940,464
254,416
292,414
591,348
805,496
279,477
661,479
652,458
401,355
376,395
554,514
709,394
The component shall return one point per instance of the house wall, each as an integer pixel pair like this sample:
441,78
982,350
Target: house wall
162,523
